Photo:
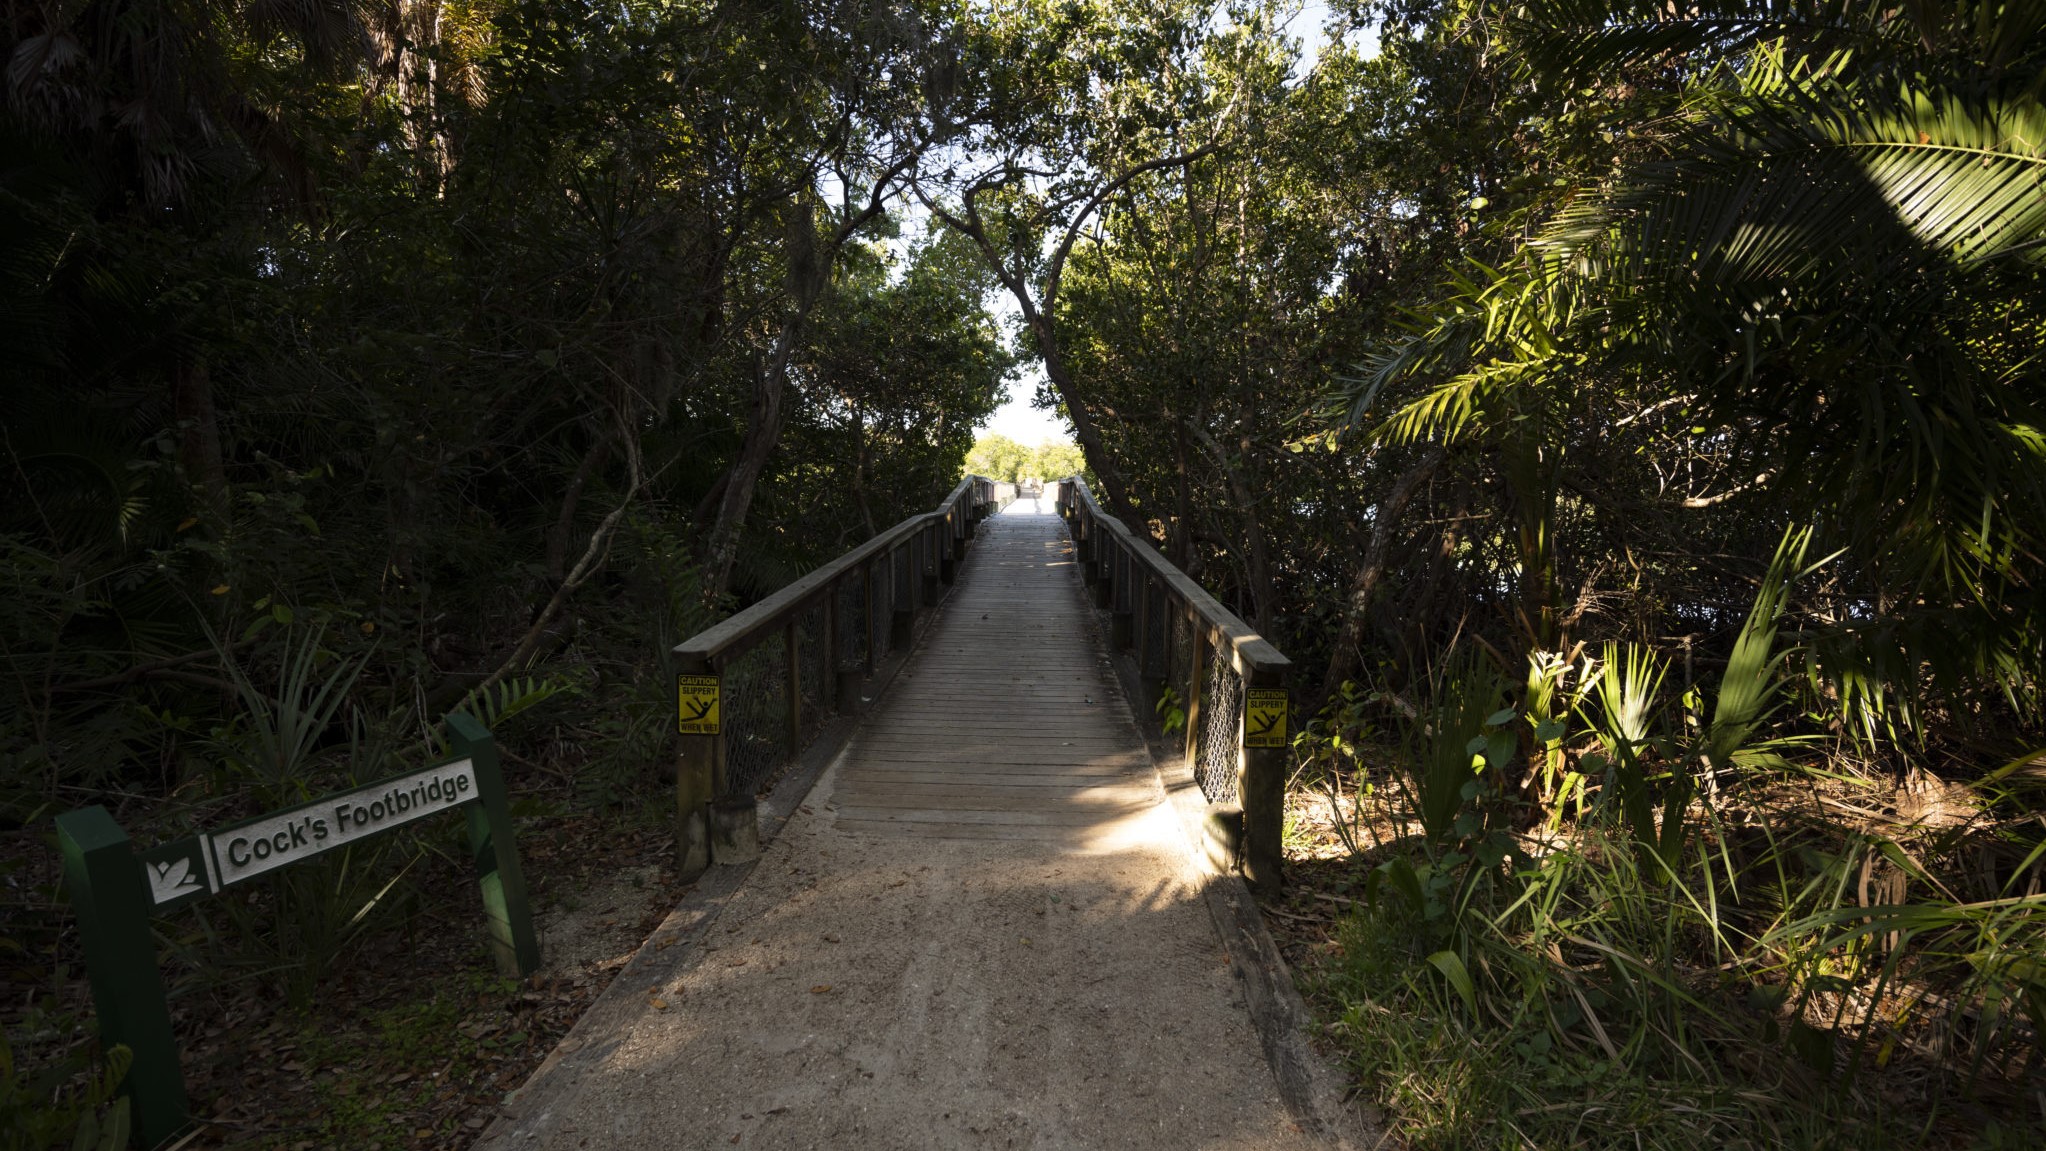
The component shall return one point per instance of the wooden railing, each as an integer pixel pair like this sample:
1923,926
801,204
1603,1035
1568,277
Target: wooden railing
753,690
1225,683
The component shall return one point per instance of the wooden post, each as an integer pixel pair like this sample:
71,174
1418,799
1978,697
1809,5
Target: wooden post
1120,616
931,562
910,571
735,829
698,770
110,897
828,655
903,625
513,945
871,600
791,640
1261,781
1104,578
1153,612
841,681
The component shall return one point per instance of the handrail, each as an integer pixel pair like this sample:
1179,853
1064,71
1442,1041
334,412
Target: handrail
1236,709
1252,655
744,705
714,645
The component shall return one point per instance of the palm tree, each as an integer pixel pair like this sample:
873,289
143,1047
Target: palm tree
1833,252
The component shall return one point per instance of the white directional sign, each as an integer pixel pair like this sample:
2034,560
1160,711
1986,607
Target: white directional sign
209,862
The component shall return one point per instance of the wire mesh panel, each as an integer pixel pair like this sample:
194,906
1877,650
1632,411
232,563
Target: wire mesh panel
1221,719
818,687
852,622
756,716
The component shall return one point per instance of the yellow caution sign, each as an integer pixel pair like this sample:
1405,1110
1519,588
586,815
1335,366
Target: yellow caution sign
1264,717
696,704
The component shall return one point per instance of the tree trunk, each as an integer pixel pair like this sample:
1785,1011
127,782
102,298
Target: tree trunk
1357,607
1242,483
1114,492
742,480
809,268
860,470
199,430
1179,537
564,521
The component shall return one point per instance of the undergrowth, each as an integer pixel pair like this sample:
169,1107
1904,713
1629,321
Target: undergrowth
1598,916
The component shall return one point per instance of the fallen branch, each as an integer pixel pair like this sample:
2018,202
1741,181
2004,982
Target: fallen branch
593,558
140,671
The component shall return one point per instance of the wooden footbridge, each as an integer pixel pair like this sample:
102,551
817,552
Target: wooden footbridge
959,886
1001,732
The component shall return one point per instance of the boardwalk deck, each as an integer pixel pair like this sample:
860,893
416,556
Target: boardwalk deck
983,929
1009,726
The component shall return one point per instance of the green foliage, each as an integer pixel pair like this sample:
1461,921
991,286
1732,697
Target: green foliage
272,748
341,381
70,1104
510,698
1000,458
1522,353
1851,167
1328,752
390,1045
1171,711
1450,755
1687,950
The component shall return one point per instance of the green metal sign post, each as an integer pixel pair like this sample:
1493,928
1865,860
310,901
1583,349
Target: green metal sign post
512,942
111,899
114,891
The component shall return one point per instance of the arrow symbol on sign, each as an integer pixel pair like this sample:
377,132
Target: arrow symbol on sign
168,880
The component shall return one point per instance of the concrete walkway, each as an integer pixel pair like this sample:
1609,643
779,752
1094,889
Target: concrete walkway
983,929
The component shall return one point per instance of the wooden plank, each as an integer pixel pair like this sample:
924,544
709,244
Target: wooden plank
1008,763
924,725
1073,745
885,827
1094,808
1006,726
1014,762
993,818
1114,793
981,778
1044,793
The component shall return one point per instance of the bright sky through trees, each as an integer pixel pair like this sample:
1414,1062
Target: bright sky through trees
1020,421
1017,418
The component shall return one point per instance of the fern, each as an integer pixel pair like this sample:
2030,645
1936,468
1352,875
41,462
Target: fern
510,698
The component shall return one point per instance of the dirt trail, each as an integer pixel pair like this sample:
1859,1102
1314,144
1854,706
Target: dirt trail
983,929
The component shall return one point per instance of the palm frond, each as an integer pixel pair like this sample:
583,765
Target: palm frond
1751,688
1583,41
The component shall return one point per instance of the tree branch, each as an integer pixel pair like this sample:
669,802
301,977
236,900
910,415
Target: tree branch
1065,248
593,557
